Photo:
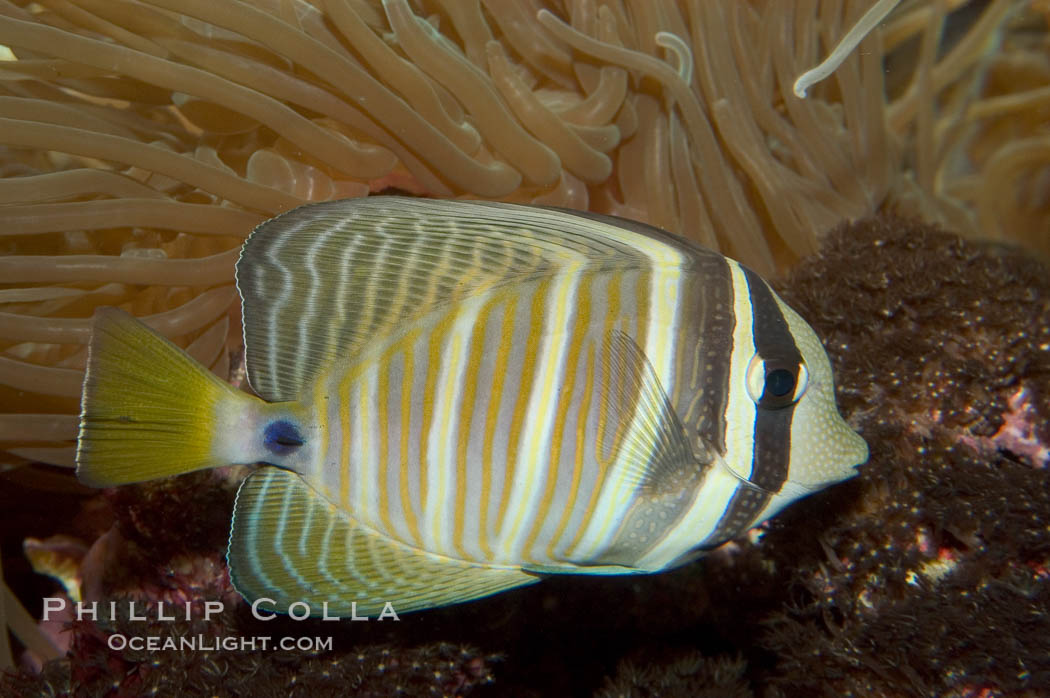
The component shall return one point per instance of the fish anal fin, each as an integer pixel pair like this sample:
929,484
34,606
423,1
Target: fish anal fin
653,441
288,543
596,570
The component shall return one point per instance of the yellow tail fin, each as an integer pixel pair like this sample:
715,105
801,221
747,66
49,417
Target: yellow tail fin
148,409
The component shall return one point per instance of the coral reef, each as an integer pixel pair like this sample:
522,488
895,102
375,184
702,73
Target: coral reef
927,574
936,577
688,675
166,544
94,670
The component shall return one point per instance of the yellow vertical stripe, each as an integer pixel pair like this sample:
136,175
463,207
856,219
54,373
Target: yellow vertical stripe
367,470
382,433
324,436
644,298
628,411
343,396
612,314
547,384
427,411
465,415
577,466
524,394
575,339
491,421
406,428
442,342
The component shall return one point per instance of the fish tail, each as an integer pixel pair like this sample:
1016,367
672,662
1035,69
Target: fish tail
148,409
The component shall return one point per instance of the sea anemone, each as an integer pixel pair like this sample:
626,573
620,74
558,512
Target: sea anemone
141,140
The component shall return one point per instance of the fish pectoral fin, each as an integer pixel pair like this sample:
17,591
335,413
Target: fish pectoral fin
742,477
636,409
288,543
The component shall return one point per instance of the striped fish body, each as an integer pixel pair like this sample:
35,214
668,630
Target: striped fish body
462,395
490,430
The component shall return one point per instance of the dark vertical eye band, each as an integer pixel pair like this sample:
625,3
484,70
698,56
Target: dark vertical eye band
776,346
282,437
775,379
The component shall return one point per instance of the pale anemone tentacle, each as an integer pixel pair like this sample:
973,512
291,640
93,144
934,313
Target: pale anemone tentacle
69,183
601,138
813,119
957,61
493,179
43,380
470,24
90,20
281,85
53,293
38,427
780,189
1007,166
924,123
208,348
734,213
687,189
656,165
690,205
28,134
61,114
910,21
538,163
322,144
570,193
61,456
868,21
197,313
601,105
71,268
1007,105
517,20
607,97
24,627
403,75
577,156
583,15
681,51
202,219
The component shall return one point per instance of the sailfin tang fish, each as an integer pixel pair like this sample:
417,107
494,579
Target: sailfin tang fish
455,397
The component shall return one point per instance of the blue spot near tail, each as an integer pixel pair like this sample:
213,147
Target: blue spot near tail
282,437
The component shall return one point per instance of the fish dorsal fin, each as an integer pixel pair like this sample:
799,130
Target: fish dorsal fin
322,280
651,439
288,543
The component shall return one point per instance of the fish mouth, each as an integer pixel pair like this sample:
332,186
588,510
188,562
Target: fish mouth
863,453
855,451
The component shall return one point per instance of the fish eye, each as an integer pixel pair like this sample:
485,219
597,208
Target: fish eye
779,382
773,384
282,437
